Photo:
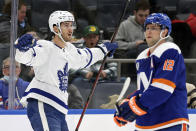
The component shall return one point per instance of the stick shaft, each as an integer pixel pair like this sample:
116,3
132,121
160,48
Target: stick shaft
122,93
101,68
124,89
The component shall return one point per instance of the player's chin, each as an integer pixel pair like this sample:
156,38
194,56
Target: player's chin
68,38
150,43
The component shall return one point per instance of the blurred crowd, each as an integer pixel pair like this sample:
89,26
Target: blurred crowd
96,23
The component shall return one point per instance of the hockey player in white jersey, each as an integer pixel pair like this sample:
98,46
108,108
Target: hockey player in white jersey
46,96
160,101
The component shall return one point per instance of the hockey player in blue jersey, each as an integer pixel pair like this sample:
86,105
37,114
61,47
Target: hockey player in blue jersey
160,103
46,96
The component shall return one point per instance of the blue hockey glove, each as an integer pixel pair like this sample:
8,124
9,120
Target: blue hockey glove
119,121
25,42
111,47
130,109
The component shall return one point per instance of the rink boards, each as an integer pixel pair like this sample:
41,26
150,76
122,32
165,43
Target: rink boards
94,119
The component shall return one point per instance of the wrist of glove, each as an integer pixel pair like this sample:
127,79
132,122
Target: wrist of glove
129,110
25,42
109,47
120,122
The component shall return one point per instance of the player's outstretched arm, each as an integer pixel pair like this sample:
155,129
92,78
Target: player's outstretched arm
31,52
109,46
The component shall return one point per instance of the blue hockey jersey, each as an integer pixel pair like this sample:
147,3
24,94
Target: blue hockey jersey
161,85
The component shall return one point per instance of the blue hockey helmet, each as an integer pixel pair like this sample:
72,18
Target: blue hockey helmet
161,19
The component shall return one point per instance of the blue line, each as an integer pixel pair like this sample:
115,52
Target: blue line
75,111
192,111
13,112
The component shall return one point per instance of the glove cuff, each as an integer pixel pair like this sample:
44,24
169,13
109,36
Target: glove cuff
119,122
136,107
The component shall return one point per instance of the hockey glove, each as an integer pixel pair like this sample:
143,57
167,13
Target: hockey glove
111,47
119,121
25,42
130,109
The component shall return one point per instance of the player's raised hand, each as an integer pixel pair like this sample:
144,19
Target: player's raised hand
111,47
25,42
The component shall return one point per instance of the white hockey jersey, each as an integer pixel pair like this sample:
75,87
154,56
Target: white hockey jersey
51,64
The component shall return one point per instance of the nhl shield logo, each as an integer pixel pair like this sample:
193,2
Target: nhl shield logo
137,66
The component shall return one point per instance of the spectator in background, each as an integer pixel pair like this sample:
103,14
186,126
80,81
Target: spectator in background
131,31
191,20
90,40
23,25
75,99
4,53
21,85
5,27
130,37
191,92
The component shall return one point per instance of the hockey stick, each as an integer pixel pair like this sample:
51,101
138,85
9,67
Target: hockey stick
124,89
101,68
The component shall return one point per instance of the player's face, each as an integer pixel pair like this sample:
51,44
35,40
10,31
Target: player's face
152,34
141,15
91,40
67,30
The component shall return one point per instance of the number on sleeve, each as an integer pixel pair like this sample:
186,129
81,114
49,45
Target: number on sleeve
168,65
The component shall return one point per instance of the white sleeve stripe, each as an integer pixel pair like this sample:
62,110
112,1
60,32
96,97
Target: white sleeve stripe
163,87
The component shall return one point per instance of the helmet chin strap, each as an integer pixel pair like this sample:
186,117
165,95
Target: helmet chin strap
161,38
59,34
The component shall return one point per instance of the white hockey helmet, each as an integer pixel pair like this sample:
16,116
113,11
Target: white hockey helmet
59,16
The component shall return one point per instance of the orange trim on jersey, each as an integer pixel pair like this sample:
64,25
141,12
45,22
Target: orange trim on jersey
162,124
135,108
165,81
184,127
1,99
